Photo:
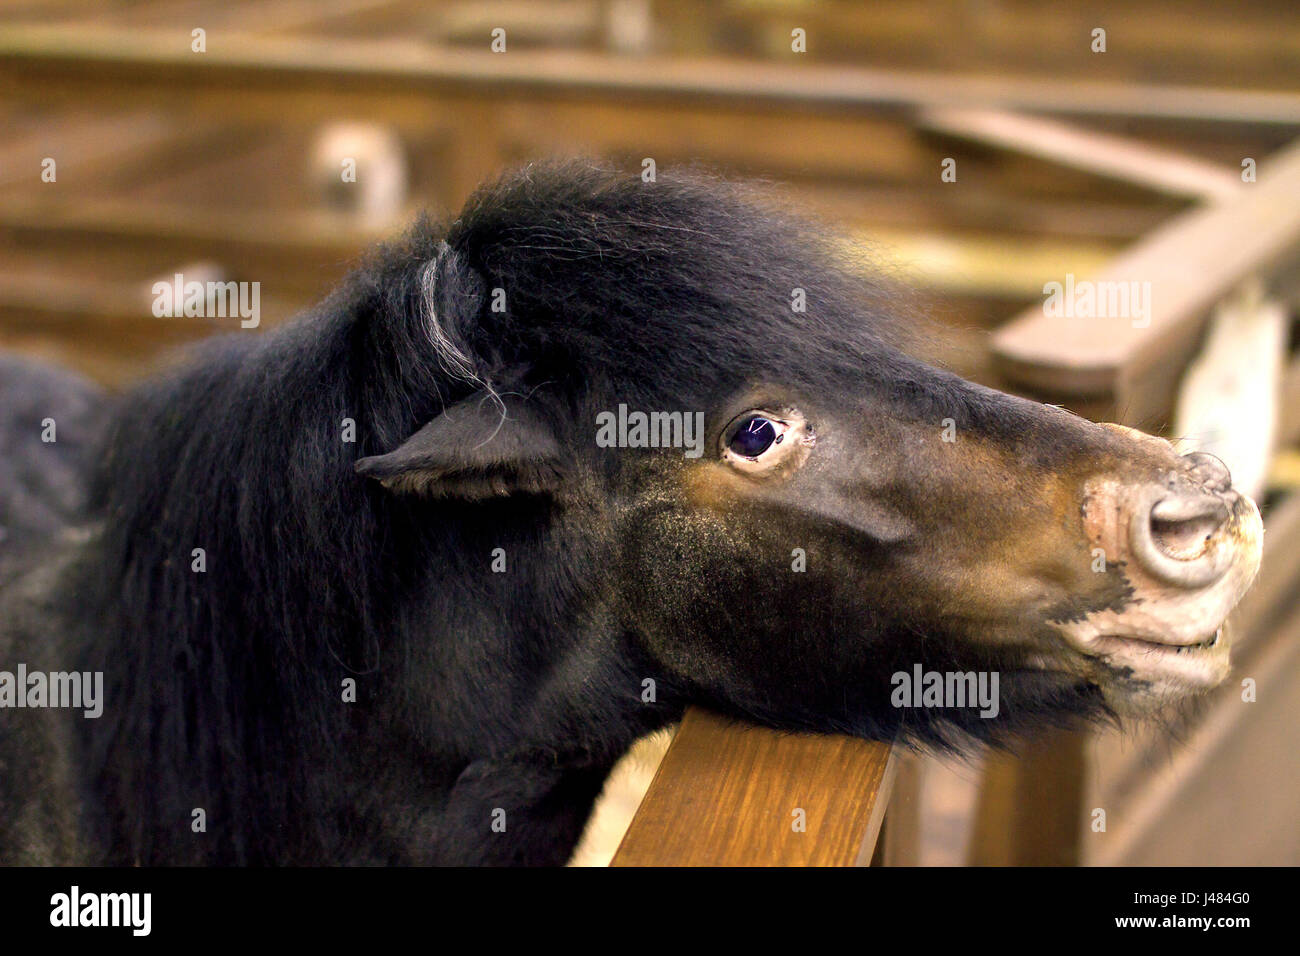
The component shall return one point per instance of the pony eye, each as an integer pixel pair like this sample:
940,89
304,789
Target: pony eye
754,436
771,442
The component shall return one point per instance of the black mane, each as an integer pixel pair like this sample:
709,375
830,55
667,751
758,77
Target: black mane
226,684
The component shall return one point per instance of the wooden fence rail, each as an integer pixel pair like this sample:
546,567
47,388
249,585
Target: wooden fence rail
729,794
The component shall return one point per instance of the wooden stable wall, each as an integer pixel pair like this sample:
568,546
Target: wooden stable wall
1124,164
221,174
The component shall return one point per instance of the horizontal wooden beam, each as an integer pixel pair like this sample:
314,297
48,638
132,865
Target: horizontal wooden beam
317,231
969,263
730,794
29,53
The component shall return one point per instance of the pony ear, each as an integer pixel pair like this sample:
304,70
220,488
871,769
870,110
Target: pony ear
482,446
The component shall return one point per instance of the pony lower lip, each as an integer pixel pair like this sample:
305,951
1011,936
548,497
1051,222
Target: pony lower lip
1201,665
1129,642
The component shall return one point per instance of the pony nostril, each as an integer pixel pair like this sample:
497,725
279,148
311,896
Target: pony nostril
1183,528
1178,539
1208,471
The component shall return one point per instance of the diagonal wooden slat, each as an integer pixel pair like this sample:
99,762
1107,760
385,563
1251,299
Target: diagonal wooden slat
1188,264
1104,154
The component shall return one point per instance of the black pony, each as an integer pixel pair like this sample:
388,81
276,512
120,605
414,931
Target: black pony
400,581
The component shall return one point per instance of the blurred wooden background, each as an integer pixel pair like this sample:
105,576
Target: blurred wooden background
224,163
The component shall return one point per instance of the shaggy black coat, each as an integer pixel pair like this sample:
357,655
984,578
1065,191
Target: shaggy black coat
242,573
51,421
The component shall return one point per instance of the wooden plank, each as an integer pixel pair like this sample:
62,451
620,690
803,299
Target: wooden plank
1103,154
726,794
982,264
294,255
1094,217
1195,41
1239,45
78,303
1189,263
31,53
92,147
311,231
